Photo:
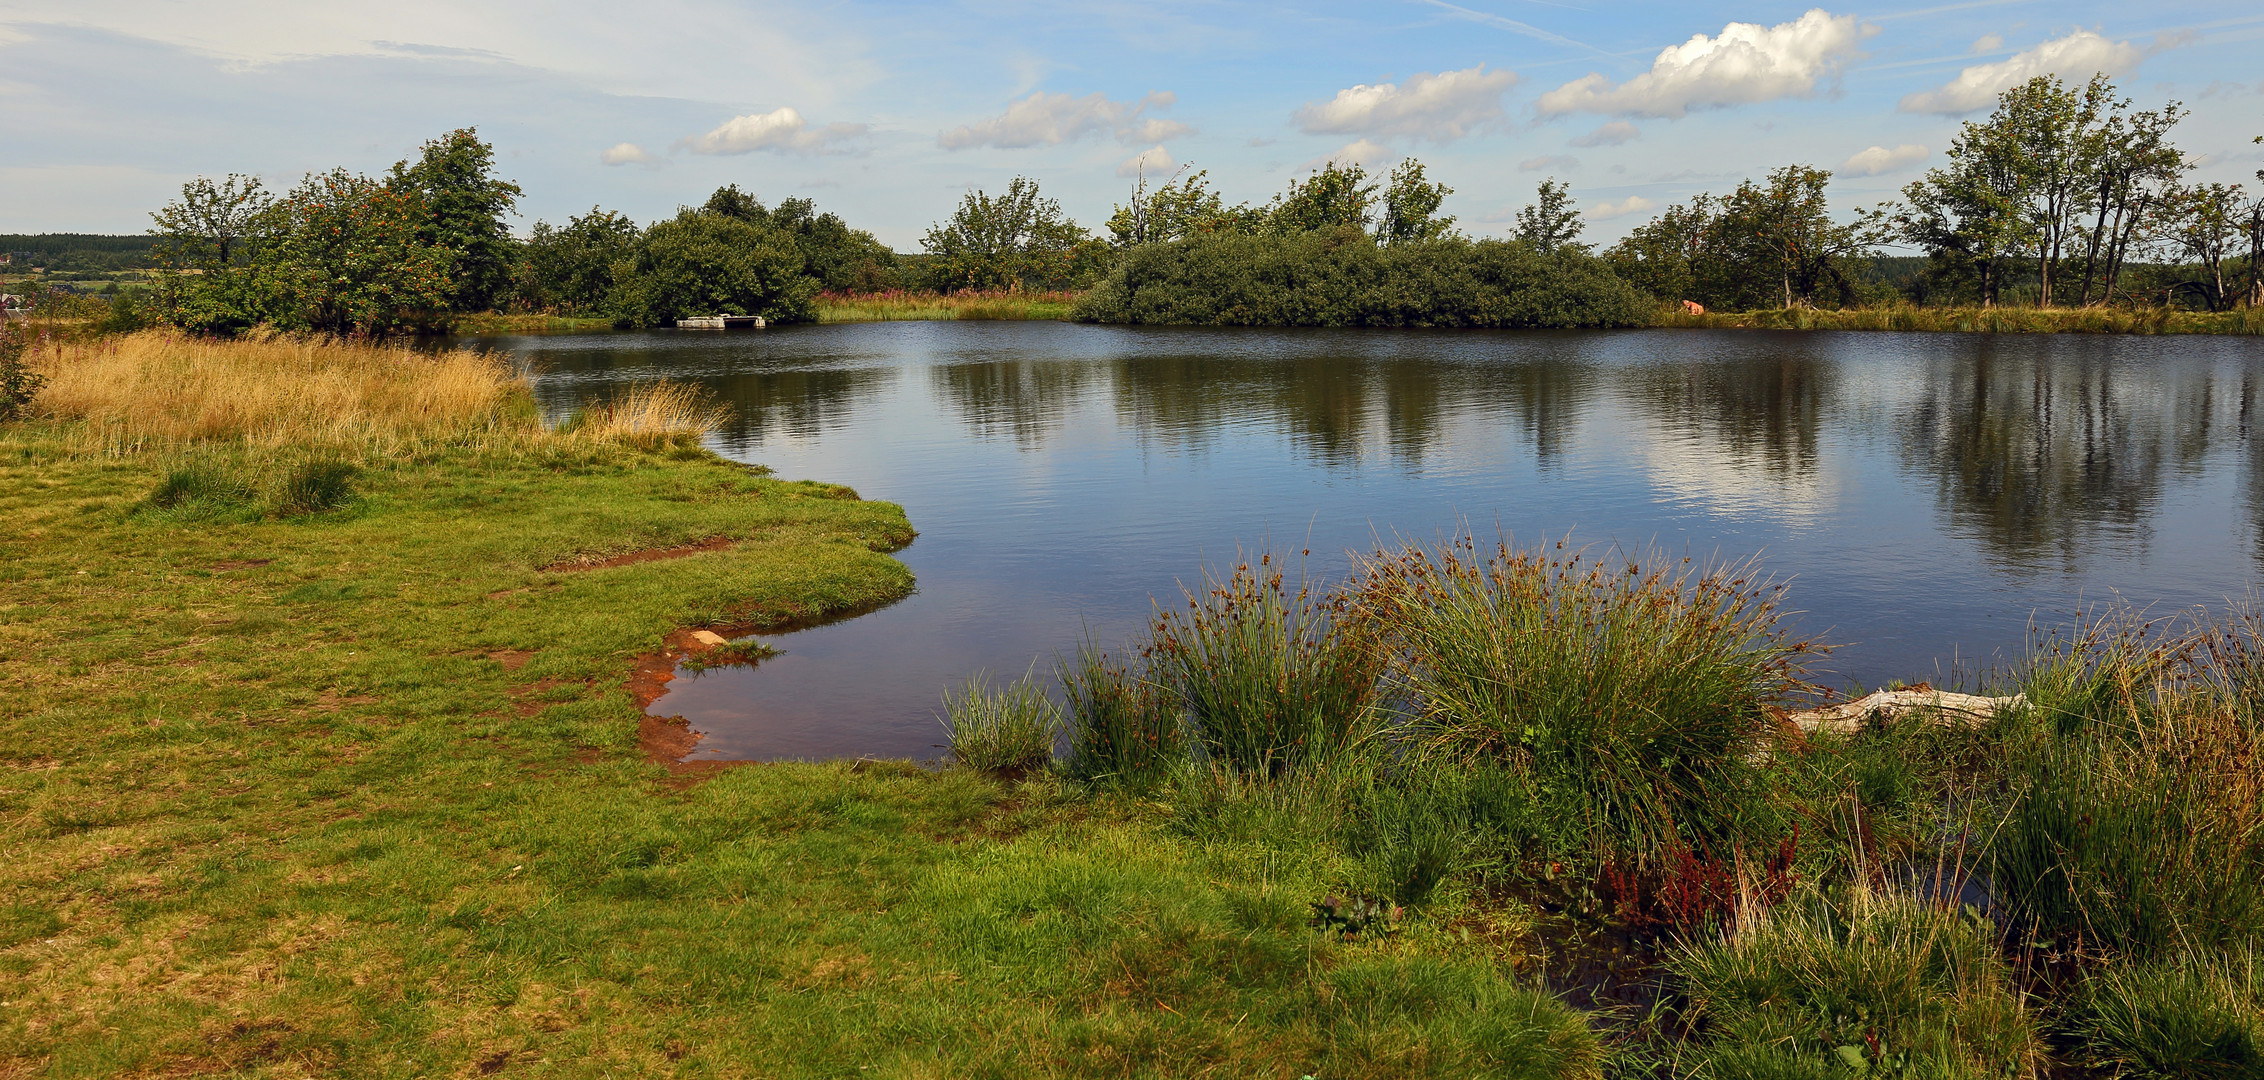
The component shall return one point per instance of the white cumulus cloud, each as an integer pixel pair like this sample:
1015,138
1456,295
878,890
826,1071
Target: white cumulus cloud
1878,160
1362,152
1746,63
627,153
1612,134
782,130
2076,56
1436,107
1552,161
1155,161
1044,119
1633,204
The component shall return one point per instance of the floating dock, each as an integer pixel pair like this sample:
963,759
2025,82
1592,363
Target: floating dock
721,322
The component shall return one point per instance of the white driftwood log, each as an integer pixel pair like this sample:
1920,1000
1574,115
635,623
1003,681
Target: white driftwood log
1892,705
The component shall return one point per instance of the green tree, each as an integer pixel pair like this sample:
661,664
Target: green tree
1663,256
1338,196
350,256
1411,206
1780,233
839,257
1182,207
212,277
2205,224
1019,239
570,267
1965,213
454,180
1552,221
211,226
701,263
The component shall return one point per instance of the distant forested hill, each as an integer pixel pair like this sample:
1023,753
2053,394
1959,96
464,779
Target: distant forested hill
65,252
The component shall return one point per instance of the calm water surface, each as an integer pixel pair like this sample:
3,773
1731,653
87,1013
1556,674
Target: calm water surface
1928,494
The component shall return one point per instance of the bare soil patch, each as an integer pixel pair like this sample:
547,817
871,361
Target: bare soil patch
580,563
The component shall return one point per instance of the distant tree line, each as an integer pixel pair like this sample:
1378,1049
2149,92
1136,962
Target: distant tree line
2064,195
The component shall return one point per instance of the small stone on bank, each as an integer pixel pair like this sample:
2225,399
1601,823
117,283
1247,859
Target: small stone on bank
708,639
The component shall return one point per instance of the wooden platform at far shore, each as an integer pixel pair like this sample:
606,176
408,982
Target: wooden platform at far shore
721,322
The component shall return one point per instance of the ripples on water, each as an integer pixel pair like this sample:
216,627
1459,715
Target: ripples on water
1927,493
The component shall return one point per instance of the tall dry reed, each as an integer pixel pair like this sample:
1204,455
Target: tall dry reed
159,390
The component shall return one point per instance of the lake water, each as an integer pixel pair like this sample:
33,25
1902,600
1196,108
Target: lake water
1928,495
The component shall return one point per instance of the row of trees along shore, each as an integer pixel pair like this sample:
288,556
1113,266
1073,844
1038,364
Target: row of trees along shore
2063,196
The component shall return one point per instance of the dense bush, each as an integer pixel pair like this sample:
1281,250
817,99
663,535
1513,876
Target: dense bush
701,263
1341,277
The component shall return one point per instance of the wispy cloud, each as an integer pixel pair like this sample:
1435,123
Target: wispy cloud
1552,161
781,130
1052,119
1612,134
1745,63
1441,107
1487,18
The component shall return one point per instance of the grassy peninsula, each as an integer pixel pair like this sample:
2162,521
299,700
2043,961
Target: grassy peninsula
324,757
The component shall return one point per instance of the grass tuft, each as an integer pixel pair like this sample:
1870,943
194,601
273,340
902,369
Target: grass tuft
1123,725
1641,685
2188,1017
1009,730
1271,678
650,416
1874,983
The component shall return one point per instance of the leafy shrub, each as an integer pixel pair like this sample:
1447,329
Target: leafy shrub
2191,1017
1340,277
1885,982
1122,725
1639,690
1270,678
1007,730
18,382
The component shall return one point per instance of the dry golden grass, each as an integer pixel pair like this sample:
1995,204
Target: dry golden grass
161,390
650,413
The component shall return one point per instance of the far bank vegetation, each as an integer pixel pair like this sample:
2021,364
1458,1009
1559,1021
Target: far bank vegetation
2066,205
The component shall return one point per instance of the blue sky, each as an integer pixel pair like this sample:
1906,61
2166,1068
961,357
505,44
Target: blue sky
887,112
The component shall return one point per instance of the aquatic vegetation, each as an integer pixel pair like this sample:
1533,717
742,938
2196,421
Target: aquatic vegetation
1124,725
1272,677
1640,683
1010,729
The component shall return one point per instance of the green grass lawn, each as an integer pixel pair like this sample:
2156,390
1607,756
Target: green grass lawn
360,793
